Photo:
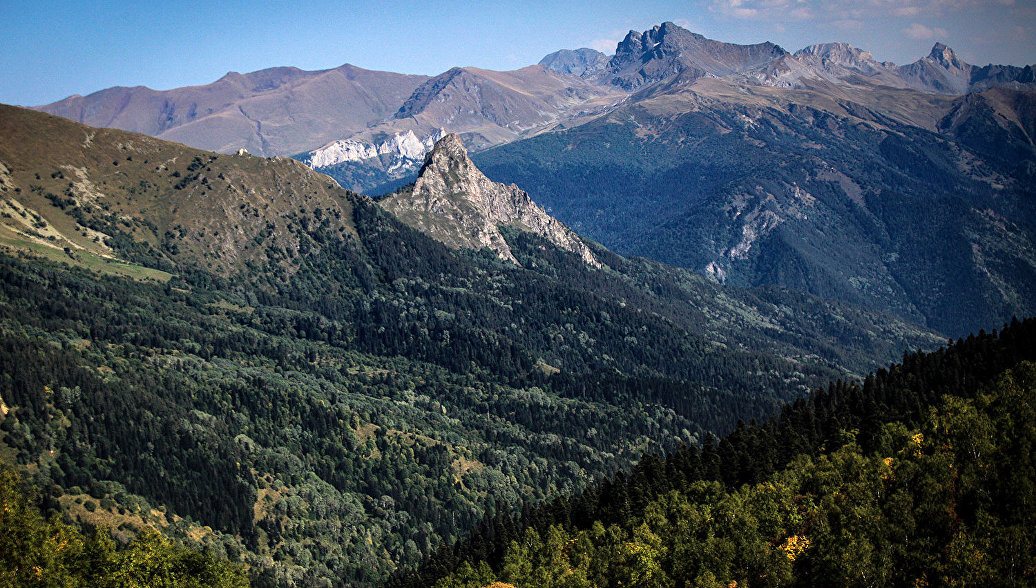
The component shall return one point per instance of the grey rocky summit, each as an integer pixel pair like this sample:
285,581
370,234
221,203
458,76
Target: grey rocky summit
580,62
666,50
455,203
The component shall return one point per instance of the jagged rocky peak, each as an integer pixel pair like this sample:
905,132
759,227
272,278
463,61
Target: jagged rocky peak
658,41
449,151
946,57
455,203
667,49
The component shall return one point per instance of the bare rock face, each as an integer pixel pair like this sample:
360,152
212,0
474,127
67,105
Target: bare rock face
455,203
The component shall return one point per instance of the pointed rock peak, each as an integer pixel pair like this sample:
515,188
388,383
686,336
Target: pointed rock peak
448,154
667,50
455,203
668,28
656,35
629,44
424,94
449,146
946,57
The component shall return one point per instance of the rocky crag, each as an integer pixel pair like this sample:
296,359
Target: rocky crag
455,203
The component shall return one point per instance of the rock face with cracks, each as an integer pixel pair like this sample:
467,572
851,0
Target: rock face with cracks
455,203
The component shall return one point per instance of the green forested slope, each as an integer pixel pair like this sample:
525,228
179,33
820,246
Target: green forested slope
302,382
922,474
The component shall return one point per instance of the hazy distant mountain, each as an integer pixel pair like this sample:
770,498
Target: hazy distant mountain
841,63
484,107
286,111
667,50
277,111
579,62
944,72
845,55
490,107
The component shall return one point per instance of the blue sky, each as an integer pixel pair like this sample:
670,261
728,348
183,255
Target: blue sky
54,49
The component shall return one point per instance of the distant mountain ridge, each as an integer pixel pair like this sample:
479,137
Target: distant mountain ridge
485,108
276,111
667,50
647,63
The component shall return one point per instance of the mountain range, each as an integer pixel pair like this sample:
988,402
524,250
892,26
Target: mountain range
285,110
484,107
822,170
571,268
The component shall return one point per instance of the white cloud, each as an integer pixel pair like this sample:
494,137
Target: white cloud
608,40
692,26
849,24
921,32
906,11
604,45
831,10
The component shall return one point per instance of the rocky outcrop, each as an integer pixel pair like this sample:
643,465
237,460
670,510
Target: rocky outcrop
400,147
455,203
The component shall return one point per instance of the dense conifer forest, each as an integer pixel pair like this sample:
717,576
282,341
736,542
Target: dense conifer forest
921,473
